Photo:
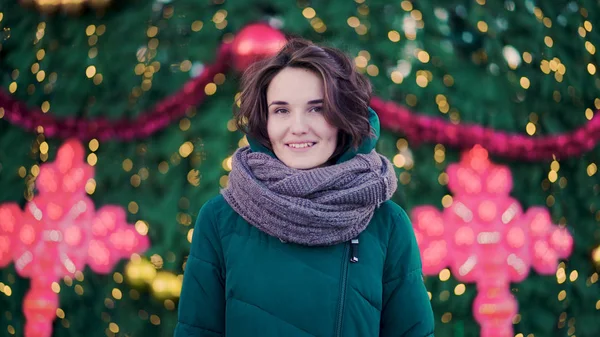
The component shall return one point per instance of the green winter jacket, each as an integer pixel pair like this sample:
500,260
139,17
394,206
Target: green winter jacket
240,282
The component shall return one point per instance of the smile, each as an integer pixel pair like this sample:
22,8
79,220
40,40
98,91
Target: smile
300,145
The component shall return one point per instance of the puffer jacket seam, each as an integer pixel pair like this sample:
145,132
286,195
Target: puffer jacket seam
272,315
401,278
201,328
202,260
292,256
365,298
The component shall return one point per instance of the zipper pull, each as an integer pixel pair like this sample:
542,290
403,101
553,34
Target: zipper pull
354,250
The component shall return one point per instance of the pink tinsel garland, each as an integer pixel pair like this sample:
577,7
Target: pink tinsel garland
160,116
420,128
417,127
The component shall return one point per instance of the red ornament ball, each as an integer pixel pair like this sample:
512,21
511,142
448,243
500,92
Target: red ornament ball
255,42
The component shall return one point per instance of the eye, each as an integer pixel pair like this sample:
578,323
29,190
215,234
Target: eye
317,109
279,111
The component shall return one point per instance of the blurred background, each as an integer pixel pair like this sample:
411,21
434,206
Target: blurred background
115,128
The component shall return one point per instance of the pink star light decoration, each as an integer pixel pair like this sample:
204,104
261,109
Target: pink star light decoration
486,239
59,232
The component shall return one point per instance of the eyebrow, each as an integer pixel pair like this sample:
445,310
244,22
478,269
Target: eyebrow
314,101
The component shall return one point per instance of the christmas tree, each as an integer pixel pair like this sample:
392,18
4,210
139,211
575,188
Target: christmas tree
148,87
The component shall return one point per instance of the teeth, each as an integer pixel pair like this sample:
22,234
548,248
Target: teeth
301,145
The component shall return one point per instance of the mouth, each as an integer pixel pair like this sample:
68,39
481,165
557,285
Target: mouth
300,146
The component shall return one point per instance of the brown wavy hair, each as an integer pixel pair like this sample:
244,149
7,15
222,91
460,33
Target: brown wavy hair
346,93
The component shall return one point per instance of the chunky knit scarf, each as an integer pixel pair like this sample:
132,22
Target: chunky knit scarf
316,207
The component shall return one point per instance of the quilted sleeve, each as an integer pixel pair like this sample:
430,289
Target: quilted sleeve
406,307
201,311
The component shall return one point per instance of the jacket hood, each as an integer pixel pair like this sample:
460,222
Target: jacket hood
367,145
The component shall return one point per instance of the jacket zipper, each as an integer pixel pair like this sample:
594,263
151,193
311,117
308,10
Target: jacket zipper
343,289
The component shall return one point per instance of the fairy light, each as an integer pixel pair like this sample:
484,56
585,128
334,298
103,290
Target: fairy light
591,68
361,29
562,182
482,26
573,276
552,176
590,47
163,167
210,89
538,13
133,207
190,234
444,295
309,12
219,19
193,177
184,219
92,159
411,100
422,79
530,128
447,201
591,169
372,70
550,201
448,80
113,327
169,304
154,319
185,66
135,180
399,160
423,56
144,173
117,294
186,149
361,61
547,22
443,179
406,5
353,22
363,9
197,25
416,14
439,154
545,66
394,36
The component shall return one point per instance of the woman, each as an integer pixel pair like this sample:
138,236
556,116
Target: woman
304,241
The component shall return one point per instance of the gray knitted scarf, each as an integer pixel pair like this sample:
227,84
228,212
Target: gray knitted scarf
316,207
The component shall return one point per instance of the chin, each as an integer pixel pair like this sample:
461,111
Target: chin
299,164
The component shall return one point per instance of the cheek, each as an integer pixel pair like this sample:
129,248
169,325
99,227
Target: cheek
330,133
271,130
325,130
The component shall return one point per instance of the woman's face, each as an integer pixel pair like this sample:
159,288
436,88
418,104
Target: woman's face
300,136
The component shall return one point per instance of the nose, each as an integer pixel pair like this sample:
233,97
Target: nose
299,124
